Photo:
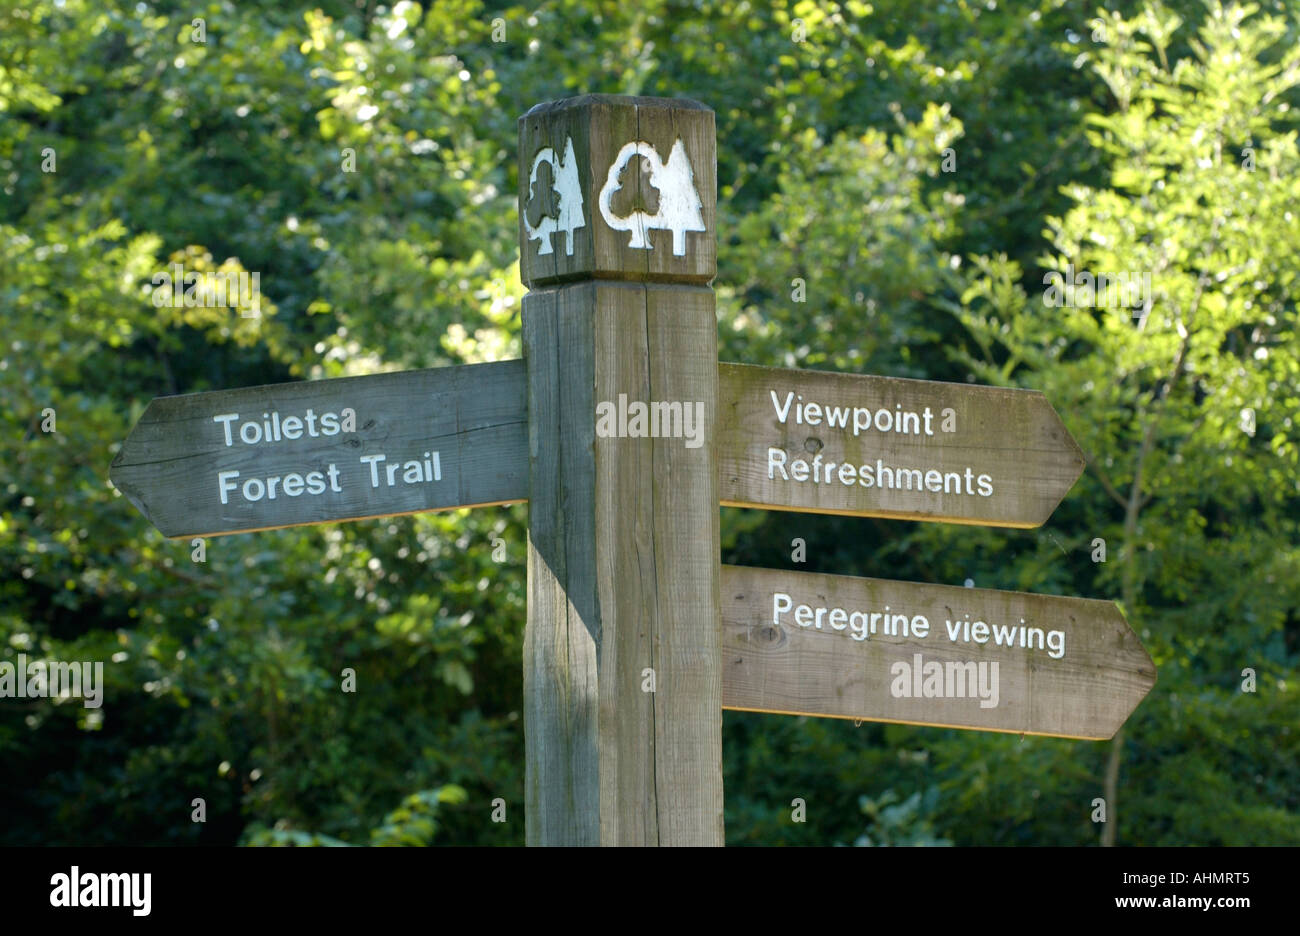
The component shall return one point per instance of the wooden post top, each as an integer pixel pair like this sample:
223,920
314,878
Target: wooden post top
614,187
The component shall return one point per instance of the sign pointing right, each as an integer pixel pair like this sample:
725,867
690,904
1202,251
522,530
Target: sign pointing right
810,644
888,447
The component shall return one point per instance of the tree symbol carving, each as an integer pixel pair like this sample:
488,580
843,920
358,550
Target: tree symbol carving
568,188
679,201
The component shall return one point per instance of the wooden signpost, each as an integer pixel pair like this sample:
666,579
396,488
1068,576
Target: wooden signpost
624,434
622,529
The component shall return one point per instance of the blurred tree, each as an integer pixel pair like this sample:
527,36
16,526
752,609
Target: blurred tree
1183,396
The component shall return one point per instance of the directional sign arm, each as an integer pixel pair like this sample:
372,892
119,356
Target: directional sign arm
777,659
259,458
867,446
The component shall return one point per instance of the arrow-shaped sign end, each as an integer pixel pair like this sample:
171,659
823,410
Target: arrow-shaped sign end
119,475
1072,462
1139,666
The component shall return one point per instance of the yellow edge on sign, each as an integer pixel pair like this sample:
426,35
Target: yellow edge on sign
380,516
896,721
884,515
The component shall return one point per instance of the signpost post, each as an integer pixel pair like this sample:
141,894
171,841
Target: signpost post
622,687
624,434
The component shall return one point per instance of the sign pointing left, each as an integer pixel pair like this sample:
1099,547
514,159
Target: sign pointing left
350,448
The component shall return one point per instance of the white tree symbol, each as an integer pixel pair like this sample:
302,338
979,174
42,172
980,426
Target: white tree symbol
636,221
568,187
679,201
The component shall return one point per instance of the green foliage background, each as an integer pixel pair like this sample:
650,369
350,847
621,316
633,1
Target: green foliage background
1147,139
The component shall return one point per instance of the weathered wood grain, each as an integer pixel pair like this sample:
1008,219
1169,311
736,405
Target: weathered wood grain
599,126
783,666
682,331
473,416
562,635
623,574
1012,437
